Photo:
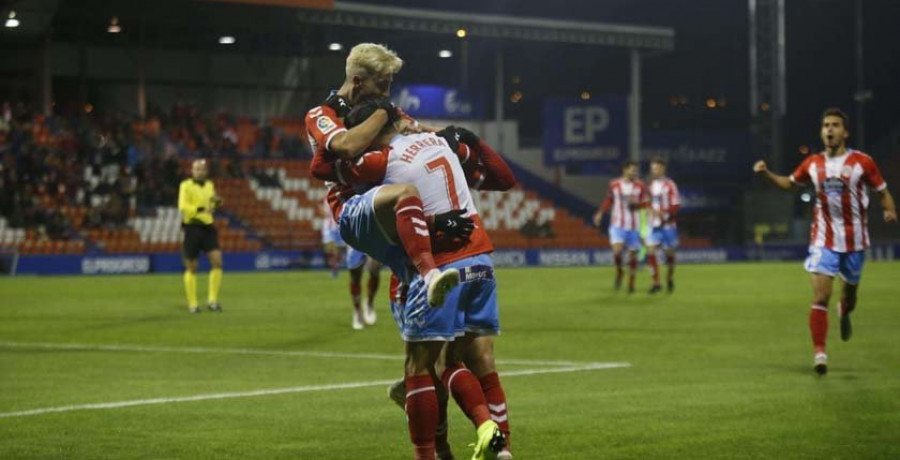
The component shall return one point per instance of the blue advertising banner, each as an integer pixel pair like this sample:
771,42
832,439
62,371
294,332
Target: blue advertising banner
714,155
101,264
593,132
285,260
708,199
431,101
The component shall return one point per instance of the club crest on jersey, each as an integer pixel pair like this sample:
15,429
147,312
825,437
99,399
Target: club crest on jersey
846,171
325,125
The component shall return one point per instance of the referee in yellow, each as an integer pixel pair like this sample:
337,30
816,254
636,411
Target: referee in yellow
197,200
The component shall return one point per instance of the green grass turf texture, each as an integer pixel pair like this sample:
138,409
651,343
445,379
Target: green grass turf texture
721,369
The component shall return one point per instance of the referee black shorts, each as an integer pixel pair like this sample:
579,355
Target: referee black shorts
199,238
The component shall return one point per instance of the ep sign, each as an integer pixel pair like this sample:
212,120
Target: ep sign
582,124
585,132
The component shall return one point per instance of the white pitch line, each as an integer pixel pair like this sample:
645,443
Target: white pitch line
147,402
278,391
251,351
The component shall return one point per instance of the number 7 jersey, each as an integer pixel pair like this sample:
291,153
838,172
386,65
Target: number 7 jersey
426,161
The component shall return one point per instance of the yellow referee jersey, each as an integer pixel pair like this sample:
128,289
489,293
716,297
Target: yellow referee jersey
195,201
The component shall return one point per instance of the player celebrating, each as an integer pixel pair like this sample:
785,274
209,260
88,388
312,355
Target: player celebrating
470,313
394,210
363,307
664,204
626,195
197,200
841,178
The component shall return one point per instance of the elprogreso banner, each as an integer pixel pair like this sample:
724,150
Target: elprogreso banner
586,132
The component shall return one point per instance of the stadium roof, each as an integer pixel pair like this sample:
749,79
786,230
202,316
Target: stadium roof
493,26
181,23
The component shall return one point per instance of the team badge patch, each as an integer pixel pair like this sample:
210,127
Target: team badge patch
846,171
325,125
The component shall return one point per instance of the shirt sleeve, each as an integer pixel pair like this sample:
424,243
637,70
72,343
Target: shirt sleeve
489,170
674,196
323,168
801,174
608,201
322,124
367,169
873,176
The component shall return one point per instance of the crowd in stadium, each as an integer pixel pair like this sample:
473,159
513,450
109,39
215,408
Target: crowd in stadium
117,166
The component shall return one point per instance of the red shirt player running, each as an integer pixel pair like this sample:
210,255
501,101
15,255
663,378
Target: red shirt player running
842,179
664,205
626,196
430,163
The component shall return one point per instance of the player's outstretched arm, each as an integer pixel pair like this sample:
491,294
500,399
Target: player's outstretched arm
782,182
890,208
485,169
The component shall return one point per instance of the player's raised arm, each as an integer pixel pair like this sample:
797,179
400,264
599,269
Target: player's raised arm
485,169
498,176
782,182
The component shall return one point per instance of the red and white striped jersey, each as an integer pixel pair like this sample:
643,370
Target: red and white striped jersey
842,186
664,200
625,198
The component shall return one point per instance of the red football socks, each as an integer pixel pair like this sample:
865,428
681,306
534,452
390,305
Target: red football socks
467,392
818,326
632,268
496,399
654,267
618,260
422,414
412,230
440,441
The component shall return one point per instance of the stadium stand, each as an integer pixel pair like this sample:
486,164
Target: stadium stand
81,185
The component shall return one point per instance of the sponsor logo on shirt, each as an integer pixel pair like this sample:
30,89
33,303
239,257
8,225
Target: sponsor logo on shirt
833,186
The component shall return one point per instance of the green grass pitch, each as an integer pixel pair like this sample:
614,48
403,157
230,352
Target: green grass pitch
720,369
